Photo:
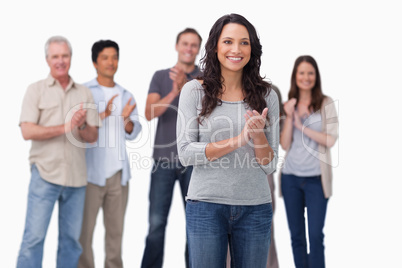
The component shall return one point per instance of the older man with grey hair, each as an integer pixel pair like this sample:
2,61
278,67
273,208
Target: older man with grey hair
58,116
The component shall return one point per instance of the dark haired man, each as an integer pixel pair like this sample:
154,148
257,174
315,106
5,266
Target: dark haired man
107,162
162,101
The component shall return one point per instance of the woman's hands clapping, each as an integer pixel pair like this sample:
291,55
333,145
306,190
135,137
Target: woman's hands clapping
254,127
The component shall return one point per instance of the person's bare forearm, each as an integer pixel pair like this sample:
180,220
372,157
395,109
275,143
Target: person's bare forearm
128,126
319,137
157,109
286,133
263,151
215,150
32,131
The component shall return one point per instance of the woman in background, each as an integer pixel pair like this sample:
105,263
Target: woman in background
309,130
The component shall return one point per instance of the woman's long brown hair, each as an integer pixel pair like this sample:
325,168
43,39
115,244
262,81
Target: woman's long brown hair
317,97
255,89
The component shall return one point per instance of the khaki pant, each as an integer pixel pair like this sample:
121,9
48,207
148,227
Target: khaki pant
272,256
112,198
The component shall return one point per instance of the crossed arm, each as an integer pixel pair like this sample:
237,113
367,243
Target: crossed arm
293,120
32,131
253,129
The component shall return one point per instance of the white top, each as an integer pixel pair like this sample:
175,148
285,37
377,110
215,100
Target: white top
301,159
113,161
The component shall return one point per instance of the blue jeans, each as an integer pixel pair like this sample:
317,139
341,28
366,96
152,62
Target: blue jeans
163,178
211,226
300,193
41,199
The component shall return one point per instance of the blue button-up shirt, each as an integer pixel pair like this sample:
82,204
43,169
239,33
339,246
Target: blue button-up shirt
96,152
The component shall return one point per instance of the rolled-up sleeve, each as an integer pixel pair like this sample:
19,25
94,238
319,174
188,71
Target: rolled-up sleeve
272,131
190,150
331,118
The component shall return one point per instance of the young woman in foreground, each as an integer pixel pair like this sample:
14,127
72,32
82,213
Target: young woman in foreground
228,129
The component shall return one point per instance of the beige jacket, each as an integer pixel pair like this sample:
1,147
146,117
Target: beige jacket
330,124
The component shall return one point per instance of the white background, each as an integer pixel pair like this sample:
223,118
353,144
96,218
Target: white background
357,45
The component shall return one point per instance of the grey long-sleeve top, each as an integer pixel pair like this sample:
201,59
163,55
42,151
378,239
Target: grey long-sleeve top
236,178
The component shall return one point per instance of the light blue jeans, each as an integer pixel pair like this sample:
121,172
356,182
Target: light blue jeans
41,199
211,226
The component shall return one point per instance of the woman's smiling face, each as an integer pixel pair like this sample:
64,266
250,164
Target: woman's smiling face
234,48
305,76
